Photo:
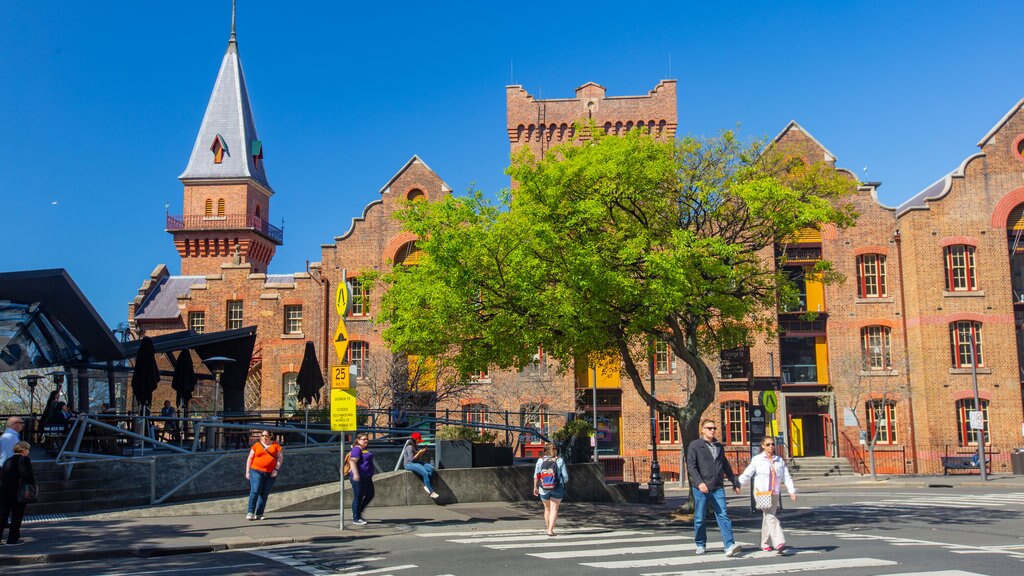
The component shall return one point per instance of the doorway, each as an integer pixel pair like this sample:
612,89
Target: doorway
808,426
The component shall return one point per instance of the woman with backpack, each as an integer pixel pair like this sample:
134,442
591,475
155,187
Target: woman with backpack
549,478
358,468
769,473
261,470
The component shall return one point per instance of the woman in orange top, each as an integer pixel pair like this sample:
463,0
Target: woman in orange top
261,470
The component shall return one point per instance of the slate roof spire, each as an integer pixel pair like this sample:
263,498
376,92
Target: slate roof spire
227,146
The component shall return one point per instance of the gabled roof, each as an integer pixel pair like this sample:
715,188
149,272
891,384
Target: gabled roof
933,192
229,117
984,140
415,159
162,301
829,156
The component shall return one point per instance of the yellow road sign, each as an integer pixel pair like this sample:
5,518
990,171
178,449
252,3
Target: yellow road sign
343,410
770,401
342,299
340,376
341,341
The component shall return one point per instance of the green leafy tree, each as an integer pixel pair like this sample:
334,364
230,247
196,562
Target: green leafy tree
607,244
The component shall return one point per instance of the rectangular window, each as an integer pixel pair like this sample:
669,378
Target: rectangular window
965,434
293,319
661,357
197,322
234,314
474,415
960,336
534,416
871,276
734,423
882,420
358,356
360,298
960,270
876,347
668,429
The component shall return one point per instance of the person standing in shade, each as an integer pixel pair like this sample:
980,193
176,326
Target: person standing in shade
707,465
15,474
261,470
411,455
10,437
361,463
769,473
549,479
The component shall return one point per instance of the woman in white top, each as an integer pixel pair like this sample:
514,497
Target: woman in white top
549,479
769,473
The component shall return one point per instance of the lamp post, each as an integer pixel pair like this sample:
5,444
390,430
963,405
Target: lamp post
32,380
655,487
982,465
217,365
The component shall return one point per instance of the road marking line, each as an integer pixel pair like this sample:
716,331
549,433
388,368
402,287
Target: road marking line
544,537
207,569
683,560
495,532
617,551
783,568
938,573
379,570
565,543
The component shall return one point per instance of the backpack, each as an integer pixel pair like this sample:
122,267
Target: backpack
549,475
346,466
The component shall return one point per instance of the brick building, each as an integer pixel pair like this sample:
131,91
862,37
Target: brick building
892,344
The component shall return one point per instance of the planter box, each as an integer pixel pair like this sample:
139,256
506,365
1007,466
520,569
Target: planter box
483,455
503,456
454,454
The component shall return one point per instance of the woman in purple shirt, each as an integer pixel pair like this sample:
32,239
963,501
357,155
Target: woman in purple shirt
362,477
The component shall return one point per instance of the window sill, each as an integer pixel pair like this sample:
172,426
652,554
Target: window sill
964,294
298,336
871,373
357,318
886,300
969,371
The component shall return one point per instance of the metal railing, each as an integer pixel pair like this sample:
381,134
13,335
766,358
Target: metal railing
194,222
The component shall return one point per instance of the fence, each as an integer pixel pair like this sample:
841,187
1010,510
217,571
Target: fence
888,459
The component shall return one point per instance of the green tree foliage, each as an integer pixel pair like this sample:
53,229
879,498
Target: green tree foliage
605,245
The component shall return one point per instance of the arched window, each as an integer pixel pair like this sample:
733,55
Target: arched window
359,356
415,194
220,207
258,212
966,435
734,423
208,209
871,276
881,419
960,336
408,255
876,347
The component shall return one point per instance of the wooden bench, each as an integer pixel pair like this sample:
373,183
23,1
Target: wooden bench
967,463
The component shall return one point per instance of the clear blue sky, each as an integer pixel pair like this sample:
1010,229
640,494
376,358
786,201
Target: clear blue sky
100,102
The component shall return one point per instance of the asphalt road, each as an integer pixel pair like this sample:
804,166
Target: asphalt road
852,532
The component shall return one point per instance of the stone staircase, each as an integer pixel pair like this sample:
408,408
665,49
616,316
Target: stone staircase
821,466
90,488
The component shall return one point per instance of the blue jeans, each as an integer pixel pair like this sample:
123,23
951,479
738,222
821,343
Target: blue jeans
362,493
700,507
423,471
259,488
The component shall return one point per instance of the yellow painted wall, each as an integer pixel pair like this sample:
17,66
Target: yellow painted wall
821,351
607,373
806,236
425,371
796,437
815,293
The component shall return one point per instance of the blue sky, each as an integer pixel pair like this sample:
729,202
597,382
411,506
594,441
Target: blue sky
100,102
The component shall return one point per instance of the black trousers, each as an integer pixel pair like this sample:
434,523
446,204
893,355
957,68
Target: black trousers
14,511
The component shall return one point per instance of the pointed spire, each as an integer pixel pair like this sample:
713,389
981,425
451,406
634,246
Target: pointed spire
227,146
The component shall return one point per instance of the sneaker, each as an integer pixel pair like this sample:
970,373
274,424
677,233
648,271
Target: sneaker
263,517
780,550
733,550
699,550
434,495
767,548
427,490
360,522
250,516
16,543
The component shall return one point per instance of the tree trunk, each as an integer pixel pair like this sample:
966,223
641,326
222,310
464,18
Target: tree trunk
871,460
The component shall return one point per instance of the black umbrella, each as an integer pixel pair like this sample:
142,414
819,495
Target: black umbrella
184,379
310,380
146,375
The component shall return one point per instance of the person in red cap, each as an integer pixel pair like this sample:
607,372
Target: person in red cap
410,460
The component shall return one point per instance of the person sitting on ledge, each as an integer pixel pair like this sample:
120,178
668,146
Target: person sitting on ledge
410,460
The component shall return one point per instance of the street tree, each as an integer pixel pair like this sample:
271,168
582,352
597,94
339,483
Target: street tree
607,243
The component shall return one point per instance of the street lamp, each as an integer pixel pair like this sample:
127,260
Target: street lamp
655,487
32,380
217,365
982,465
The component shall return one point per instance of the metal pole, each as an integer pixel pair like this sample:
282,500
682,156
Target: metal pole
341,490
982,465
595,414
655,487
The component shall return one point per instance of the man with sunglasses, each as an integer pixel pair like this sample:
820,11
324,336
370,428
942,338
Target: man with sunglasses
10,437
707,465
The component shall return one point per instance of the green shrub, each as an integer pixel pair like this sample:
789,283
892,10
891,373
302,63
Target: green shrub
578,428
466,433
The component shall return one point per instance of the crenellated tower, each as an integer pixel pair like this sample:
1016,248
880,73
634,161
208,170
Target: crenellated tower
226,210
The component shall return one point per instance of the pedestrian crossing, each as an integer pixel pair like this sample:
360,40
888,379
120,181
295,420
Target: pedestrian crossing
962,501
315,565
652,553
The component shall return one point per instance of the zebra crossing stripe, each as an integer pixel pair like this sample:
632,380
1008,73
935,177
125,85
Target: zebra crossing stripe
543,537
381,570
509,532
681,560
615,552
785,568
938,573
564,543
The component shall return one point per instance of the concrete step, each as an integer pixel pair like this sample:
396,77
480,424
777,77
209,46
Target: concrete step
811,467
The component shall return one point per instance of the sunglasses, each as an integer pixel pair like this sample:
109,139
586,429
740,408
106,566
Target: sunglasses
768,444
710,428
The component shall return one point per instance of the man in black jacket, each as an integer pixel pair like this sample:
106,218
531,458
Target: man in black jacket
706,465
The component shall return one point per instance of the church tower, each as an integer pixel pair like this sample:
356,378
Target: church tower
227,197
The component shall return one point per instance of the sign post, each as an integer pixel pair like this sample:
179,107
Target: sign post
343,396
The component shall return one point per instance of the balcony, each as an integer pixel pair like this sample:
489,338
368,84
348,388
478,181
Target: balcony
229,222
799,373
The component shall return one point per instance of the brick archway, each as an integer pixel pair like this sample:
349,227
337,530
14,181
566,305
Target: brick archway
1006,205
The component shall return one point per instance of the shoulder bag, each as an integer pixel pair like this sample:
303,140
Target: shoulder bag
763,500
